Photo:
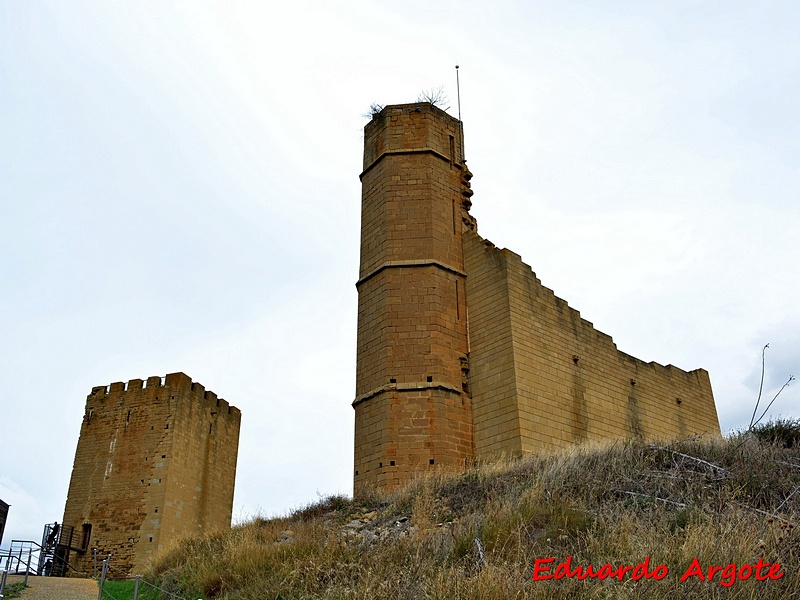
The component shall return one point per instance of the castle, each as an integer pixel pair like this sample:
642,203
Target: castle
155,460
463,354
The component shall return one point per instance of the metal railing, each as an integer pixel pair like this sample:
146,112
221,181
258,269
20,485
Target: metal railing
22,557
106,573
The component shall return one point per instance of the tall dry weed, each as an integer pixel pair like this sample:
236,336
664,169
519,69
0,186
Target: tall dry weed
479,534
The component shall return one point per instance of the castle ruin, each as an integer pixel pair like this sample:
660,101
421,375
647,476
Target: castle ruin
156,460
463,354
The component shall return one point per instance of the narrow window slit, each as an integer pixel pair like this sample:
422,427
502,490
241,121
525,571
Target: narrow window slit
458,304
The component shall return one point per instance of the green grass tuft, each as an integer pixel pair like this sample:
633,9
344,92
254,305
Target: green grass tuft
123,590
14,590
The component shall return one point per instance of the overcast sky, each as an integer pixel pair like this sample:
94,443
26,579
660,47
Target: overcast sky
179,192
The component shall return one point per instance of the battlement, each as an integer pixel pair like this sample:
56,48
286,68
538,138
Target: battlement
177,381
578,322
534,359
172,381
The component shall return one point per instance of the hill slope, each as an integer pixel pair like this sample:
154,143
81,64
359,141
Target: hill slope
481,533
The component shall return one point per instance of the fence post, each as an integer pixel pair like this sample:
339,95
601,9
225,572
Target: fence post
136,589
28,566
94,561
3,582
102,580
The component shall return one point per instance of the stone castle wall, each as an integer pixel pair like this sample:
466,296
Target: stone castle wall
462,353
155,460
542,377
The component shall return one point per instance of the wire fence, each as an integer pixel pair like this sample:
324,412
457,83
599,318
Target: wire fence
140,584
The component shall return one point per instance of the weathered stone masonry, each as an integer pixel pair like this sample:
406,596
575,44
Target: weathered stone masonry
155,460
462,353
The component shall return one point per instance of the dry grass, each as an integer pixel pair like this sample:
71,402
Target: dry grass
723,501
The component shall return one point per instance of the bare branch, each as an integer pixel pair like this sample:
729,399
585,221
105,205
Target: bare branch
692,458
435,96
678,504
760,387
785,385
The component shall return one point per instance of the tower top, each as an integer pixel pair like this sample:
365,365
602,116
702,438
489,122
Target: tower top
414,127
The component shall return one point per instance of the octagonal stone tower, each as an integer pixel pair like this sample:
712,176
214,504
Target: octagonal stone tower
412,404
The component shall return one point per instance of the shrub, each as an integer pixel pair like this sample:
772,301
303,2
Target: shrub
781,432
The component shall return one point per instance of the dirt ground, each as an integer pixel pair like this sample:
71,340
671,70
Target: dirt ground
56,588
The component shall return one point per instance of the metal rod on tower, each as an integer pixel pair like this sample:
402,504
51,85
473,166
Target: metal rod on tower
460,124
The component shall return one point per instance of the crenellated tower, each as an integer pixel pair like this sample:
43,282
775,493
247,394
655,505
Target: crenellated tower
412,402
156,460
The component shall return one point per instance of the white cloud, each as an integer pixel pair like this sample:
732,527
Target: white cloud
179,191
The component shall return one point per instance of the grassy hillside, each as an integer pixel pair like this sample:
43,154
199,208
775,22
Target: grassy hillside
480,534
